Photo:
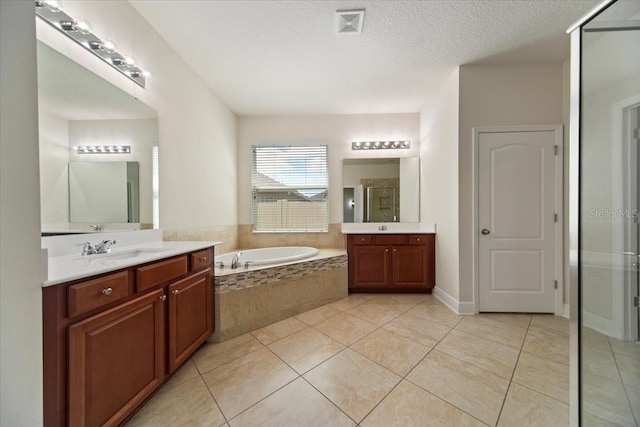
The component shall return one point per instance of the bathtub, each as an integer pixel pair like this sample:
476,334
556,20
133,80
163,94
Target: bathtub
278,283
267,256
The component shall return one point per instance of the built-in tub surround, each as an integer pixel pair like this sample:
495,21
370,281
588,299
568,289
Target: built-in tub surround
248,299
331,239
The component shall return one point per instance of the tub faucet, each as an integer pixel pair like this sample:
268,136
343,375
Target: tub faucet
234,261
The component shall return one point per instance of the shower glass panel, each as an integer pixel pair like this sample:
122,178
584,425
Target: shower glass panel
609,222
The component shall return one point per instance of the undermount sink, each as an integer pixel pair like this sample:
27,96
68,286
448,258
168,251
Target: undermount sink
120,255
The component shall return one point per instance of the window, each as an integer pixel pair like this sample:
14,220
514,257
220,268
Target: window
289,185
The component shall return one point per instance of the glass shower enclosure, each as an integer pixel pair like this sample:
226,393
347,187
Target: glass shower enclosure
605,221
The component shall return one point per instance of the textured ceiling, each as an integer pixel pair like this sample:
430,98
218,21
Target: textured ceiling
284,57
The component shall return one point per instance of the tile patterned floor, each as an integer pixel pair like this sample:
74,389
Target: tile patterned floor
611,385
379,360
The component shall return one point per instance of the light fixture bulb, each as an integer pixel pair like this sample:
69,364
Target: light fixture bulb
129,61
146,74
83,26
109,46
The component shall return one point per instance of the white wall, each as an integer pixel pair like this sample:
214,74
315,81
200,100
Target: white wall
54,176
20,291
141,135
197,132
439,187
495,95
338,131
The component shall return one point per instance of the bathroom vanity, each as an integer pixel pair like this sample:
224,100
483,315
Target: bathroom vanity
391,262
112,338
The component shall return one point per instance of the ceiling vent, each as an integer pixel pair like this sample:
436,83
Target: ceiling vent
350,21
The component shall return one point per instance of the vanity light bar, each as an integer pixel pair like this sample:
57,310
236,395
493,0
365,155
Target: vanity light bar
380,145
103,149
79,30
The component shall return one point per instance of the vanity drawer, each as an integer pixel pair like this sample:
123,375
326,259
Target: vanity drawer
200,259
95,293
363,240
160,272
418,239
391,239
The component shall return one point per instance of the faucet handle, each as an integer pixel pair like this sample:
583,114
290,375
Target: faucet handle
87,248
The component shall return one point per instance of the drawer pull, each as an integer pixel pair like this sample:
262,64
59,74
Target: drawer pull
175,292
107,291
203,259
163,298
418,239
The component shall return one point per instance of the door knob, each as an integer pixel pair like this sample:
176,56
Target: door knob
485,231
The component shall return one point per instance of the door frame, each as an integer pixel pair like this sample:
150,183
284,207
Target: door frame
559,202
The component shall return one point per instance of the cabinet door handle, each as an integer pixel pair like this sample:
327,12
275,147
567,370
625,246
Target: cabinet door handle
107,291
418,239
163,298
394,250
204,259
386,250
175,292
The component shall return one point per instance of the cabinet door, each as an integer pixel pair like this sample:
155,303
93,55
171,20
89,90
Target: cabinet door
410,269
190,316
116,359
371,266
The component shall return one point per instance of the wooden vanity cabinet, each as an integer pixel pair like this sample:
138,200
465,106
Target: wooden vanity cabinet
391,262
116,359
102,360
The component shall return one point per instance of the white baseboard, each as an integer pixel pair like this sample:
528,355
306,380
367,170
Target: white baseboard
565,311
455,305
599,324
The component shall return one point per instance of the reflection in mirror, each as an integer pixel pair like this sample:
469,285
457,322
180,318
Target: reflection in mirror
609,230
380,190
76,107
104,192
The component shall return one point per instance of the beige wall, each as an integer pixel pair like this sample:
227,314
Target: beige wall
439,186
338,131
497,95
197,132
20,291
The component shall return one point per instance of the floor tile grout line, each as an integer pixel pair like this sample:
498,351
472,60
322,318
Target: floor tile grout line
215,401
515,366
624,386
326,397
266,397
229,361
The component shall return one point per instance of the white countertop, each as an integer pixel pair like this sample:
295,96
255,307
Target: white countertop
388,228
67,267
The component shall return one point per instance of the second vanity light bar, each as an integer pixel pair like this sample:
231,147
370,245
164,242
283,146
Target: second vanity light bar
103,149
380,145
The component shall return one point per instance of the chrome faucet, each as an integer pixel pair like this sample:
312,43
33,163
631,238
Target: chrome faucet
234,261
87,248
104,247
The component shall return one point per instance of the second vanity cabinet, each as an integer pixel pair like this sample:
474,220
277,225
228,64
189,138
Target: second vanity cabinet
112,340
391,262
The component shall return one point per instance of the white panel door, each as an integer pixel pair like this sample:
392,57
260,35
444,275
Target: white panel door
516,208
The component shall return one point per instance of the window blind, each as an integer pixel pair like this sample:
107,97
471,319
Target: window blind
289,186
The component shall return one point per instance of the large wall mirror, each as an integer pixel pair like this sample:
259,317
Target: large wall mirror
79,108
381,190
